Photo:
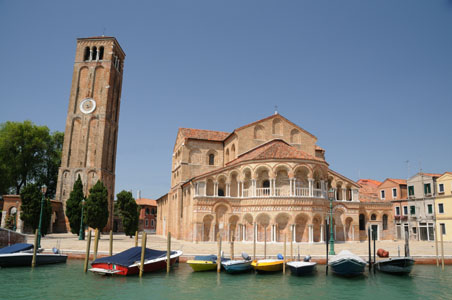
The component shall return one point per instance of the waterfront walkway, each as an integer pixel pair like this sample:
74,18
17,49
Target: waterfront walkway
70,244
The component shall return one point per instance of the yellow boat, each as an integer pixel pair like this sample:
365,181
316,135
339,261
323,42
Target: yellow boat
268,265
203,263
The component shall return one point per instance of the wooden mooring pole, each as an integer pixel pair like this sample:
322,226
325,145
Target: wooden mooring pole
374,237
284,264
35,249
442,249
436,246
326,243
136,238
232,248
254,241
370,251
219,252
291,245
88,245
168,253
111,243
143,251
265,243
96,243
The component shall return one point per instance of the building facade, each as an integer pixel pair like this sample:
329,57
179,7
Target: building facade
443,205
148,215
265,179
90,138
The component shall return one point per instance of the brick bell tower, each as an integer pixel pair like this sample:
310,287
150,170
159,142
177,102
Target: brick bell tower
90,138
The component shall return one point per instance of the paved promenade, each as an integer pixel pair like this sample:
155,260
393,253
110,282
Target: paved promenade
70,244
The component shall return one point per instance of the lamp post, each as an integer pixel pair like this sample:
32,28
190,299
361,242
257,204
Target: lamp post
43,191
81,235
331,198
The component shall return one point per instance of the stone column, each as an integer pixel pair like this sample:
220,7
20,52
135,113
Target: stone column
291,187
228,190
238,188
294,234
20,223
271,233
311,233
344,194
215,189
322,186
335,194
322,233
212,232
253,184
255,231
241,189
353,232
3,223
311,187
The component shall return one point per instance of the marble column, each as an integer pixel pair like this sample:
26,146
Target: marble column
311,187
215,189
253,183
311,234
228,190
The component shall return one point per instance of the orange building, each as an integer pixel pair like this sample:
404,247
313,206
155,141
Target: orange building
148,214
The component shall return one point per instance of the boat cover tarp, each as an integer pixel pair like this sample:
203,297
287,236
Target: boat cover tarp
345,254
16,248
206,257
131,256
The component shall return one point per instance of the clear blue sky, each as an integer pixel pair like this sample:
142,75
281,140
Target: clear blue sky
371,79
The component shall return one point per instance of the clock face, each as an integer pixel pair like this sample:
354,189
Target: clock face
88,105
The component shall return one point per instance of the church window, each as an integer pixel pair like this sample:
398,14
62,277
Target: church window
94,53
373,217
147,210
385,222
295,137
362,222
101,53
86,54
220,192
227,155
233,152
259,132
211,159
276,128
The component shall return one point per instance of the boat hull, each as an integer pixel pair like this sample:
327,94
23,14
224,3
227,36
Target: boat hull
267,266
399,266
25,259
302,270
237,267
202,265
348,267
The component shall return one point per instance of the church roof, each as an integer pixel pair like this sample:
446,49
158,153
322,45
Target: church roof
200,134
274,149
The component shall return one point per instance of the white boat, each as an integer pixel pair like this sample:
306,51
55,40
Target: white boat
19,255
347,264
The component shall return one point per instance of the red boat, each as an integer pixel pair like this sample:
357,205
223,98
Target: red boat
128,262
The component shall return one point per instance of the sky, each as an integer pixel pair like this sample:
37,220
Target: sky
372,80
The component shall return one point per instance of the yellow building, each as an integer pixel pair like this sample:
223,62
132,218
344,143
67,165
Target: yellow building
443,205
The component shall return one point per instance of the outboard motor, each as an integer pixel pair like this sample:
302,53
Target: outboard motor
307,258
245,256
279,256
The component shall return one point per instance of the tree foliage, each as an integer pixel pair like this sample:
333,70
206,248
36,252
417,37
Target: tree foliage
128,209
31,208
74,206
28,154
96,207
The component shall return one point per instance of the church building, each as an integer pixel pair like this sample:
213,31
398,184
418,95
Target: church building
269,179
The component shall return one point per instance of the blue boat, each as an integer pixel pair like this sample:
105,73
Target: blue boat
237,266
347,264
22,255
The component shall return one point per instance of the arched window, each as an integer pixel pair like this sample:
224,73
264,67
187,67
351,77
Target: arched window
220,192
227,155
147,210
276,128
373,217
211,159
266,184
385,222
94,53
362,222
295,137
233,152
101,53
86,54
259,132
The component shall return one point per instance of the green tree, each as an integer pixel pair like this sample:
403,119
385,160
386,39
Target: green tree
128,209
31,208
96,207
28,153
74,206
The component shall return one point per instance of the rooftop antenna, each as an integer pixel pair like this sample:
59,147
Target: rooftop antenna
276,109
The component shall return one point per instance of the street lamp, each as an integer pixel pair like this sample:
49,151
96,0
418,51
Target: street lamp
81,235
331,198
43,191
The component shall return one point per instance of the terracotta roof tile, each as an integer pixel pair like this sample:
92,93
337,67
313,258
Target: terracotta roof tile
398,181
274,149
431,174
144,201
200,134
368,191
319,148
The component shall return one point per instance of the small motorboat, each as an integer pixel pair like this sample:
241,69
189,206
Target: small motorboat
19,255
237,266
268,265
128,262
203,263
347,264
300,268
395,265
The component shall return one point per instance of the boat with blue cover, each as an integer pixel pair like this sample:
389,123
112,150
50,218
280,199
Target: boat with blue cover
238,266
347,264
128,262
19,255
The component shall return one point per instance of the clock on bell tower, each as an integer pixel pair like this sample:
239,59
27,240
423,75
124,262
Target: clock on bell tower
90,138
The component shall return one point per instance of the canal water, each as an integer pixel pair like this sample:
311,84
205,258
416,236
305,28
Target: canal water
67,281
